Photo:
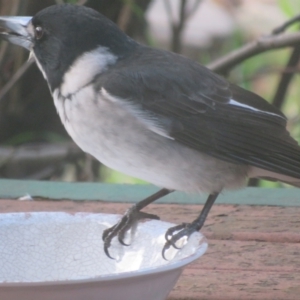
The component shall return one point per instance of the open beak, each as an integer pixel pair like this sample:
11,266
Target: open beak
15,30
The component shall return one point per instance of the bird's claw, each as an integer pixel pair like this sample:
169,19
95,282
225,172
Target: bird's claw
174,234
127,222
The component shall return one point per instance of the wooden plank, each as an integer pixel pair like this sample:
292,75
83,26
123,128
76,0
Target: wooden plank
242,270
250,256
225,222
236,285
134,193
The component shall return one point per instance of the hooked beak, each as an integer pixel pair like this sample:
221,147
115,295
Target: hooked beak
14,30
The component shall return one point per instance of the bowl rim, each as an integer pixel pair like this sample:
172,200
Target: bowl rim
178,264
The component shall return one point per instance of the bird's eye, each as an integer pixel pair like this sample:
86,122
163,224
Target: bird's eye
39,32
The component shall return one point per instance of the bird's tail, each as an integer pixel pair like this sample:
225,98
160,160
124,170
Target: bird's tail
271,176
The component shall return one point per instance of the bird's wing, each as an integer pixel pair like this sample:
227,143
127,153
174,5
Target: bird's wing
184,101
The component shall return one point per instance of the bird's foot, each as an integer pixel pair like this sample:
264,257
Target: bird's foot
174,234
127,222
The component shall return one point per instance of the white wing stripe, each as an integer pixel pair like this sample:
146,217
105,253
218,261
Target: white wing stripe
235,103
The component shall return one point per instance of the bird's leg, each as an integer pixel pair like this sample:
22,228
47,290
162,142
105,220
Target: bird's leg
175,233
130,218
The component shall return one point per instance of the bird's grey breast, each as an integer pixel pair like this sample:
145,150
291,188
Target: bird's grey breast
94,123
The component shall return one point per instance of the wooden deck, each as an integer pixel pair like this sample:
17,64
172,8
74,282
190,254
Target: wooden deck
254,251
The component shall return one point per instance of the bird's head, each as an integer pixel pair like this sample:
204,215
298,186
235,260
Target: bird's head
59,35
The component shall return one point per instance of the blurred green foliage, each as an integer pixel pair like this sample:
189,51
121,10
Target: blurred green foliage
71,1
289,7
108,175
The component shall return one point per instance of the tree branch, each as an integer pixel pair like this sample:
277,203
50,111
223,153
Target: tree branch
178,26
263,44
125,15
285,25
21,71
39,153
286,78
193,9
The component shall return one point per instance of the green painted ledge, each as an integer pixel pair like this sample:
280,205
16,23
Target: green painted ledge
14,189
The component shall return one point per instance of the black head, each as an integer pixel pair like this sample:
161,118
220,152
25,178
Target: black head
60,34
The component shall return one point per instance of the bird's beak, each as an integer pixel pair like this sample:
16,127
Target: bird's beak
15,30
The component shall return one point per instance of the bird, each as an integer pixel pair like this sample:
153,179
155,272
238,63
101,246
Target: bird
153,114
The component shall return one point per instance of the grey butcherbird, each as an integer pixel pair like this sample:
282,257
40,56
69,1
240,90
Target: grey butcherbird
153,114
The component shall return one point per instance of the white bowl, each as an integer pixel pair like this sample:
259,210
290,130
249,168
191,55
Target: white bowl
59,256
